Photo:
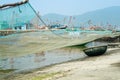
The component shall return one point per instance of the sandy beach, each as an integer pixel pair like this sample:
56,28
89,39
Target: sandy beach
105,67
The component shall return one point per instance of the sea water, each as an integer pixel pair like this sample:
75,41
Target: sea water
41,59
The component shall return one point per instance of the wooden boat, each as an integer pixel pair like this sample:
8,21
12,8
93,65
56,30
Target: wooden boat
63,27
95,51
58,26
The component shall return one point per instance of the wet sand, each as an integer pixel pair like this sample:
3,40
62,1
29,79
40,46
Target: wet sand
105,67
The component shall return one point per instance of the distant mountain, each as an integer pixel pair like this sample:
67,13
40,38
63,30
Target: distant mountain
104,16
54,18
107,15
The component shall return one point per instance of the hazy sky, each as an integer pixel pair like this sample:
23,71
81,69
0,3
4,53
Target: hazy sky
68,7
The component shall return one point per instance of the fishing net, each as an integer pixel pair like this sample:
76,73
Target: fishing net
26,32
19,17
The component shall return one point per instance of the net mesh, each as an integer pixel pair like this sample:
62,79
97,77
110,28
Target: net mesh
18,17
29,35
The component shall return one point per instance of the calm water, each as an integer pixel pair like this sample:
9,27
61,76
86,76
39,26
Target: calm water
41,59
17,63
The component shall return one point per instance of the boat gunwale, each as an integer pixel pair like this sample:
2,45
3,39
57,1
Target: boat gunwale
95,47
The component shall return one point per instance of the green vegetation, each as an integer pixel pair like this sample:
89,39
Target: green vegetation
81,47
6,71
44,76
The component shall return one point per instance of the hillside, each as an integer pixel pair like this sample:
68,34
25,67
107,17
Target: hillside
102,16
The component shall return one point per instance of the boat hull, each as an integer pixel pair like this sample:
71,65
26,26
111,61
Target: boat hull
95,51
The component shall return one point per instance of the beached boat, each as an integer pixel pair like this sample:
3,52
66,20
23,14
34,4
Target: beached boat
95,51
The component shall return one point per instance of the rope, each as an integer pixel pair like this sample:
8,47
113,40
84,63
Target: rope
43,21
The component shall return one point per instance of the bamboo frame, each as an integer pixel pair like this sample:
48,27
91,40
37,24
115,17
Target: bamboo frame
13,4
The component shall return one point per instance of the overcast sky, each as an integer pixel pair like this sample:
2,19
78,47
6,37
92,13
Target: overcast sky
68,7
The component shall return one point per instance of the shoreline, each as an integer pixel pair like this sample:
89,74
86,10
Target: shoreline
89,68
